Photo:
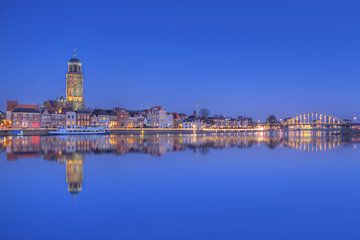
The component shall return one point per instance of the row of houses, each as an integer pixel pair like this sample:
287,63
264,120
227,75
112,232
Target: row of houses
46,116
57,115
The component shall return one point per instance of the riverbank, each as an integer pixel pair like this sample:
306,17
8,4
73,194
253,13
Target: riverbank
137,131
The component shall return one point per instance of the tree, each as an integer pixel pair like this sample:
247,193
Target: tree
204,113
271,120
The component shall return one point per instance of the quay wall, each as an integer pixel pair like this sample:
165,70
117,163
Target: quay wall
151,131
145,131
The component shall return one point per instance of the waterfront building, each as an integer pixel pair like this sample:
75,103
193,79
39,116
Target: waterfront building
245,121
134,122
25,118
78,119
58,120
136,119
13,104
83,118
74,84
221,122
192,123
156,117
46,119
169,121
178,119
122,117
104,118
56,106
71,119
53,114
113,120
216,121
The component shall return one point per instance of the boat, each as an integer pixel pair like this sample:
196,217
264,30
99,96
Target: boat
17,132
80,131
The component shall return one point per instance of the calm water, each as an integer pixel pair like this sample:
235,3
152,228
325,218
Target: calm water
180,187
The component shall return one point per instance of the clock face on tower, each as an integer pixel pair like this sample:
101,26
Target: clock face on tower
74,83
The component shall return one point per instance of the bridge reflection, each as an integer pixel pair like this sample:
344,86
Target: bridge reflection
61,148
71,150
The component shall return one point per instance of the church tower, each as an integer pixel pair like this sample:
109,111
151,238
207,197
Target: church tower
74,83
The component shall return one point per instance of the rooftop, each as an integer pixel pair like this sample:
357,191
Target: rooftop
74,58
26,110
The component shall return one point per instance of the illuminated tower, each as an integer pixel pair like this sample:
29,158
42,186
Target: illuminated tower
74,83
74,173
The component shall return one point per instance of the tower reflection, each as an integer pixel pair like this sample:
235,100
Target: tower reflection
71,150
74,172
58,148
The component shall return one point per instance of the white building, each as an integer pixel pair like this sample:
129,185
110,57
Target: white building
58,120
46,119
70,119
156,117
195,124
169,123
104,118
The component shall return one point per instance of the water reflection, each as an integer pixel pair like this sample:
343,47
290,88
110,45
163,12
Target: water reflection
62,148
74,172
71,150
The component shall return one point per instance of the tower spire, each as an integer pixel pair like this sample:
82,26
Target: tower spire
74,53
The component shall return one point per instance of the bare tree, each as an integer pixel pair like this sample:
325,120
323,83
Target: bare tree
204,113
271,120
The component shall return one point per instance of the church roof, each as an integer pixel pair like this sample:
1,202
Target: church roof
74,59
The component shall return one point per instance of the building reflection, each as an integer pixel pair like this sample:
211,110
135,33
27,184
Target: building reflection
59,148
71,150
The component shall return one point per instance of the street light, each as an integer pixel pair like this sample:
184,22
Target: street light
355,119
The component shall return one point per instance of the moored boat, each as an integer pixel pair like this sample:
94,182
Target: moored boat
80,131
17,132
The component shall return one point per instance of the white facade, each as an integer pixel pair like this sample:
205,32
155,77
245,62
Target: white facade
58,120
104,121
71,119
169,123
192,124
156,117
46,119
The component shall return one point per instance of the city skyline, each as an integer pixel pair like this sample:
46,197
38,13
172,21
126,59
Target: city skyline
180,119
281,59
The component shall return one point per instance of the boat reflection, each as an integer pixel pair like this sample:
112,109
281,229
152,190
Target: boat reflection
60,147
71,150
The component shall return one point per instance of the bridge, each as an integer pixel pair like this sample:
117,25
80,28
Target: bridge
313,120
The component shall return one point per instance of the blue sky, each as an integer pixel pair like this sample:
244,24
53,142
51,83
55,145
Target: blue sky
251,58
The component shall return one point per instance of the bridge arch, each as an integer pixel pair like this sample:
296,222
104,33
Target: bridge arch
314,118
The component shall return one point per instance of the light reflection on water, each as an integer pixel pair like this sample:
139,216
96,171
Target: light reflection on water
71,150
245,191
56,148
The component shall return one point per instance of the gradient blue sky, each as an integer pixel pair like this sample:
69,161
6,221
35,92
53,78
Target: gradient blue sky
234,57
